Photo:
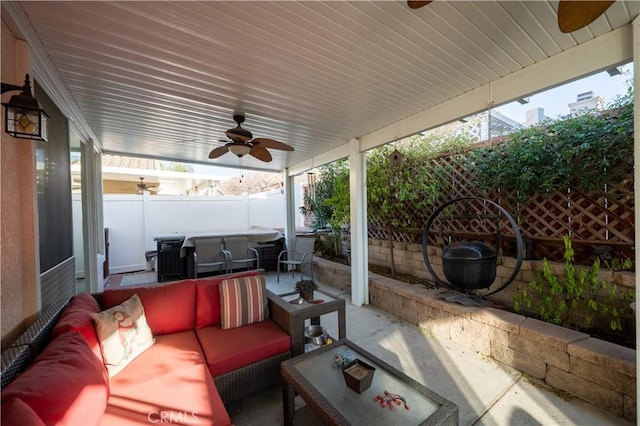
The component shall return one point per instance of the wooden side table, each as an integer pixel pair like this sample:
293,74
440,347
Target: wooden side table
291,317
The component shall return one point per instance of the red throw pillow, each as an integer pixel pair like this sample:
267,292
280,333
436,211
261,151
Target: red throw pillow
168,308
66,384
243,301
16,413
77,317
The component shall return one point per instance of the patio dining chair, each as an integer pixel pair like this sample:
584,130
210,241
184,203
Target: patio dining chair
208,256
301,254
239,254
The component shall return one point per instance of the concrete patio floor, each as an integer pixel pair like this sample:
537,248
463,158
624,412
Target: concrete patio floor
486,392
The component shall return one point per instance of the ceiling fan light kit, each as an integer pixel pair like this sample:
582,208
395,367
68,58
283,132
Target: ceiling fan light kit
241,142
239,149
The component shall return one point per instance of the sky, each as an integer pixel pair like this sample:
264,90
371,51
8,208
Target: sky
555,101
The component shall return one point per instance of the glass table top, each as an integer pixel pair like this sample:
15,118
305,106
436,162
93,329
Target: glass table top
362,409
319,297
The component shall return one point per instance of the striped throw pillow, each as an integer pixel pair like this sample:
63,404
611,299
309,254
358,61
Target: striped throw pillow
243,300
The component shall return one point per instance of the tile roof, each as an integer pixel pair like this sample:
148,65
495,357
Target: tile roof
109,160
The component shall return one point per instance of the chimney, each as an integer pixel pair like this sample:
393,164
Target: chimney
585,95
586,101
534,116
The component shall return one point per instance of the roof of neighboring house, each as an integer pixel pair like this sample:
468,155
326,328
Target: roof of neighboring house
121,175
109,160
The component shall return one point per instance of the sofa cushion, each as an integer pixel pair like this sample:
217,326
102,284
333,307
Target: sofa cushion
169,308
77,317
16,413
123,333
184,396
169,379
208,297
65,384
243,301
228,350
170,352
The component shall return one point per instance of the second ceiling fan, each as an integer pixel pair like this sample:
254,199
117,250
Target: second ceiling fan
572,14
241,142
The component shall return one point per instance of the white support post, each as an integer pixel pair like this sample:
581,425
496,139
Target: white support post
636,177
358,208
149,243
290,208
92,228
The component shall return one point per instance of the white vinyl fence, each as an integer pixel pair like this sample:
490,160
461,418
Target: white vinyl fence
133,221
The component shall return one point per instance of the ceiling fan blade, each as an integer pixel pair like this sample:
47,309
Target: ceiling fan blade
260,153
417,4
273,144
219,151
576,14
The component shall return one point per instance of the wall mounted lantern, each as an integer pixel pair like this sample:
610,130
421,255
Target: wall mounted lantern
23,117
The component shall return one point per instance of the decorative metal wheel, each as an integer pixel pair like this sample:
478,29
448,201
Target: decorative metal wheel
476,249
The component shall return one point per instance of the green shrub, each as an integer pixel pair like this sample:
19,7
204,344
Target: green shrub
587,151
555,299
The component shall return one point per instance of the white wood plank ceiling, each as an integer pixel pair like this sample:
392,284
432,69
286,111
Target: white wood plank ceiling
162,79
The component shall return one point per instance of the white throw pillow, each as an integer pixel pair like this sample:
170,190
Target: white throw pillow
123,333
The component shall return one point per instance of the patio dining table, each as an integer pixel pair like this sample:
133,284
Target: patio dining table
256,238
254,235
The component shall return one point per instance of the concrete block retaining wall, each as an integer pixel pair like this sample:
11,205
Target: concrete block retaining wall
409,260
596,371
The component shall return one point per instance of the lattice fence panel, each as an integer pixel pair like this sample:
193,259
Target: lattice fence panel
620,209
590,220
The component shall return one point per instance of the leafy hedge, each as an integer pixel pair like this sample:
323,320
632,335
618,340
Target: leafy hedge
330,207
587,152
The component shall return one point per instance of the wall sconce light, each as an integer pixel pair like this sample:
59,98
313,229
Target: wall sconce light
523,101
23,117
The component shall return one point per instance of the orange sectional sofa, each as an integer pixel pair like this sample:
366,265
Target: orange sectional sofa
186,377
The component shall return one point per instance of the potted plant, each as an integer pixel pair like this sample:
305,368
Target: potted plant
306,288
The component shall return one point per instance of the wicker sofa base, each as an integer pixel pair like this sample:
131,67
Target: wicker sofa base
21,353
240,383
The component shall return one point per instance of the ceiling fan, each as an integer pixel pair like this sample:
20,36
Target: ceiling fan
241,142
142,186
572,14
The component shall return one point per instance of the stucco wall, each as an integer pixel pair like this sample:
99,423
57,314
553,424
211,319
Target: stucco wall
19,274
